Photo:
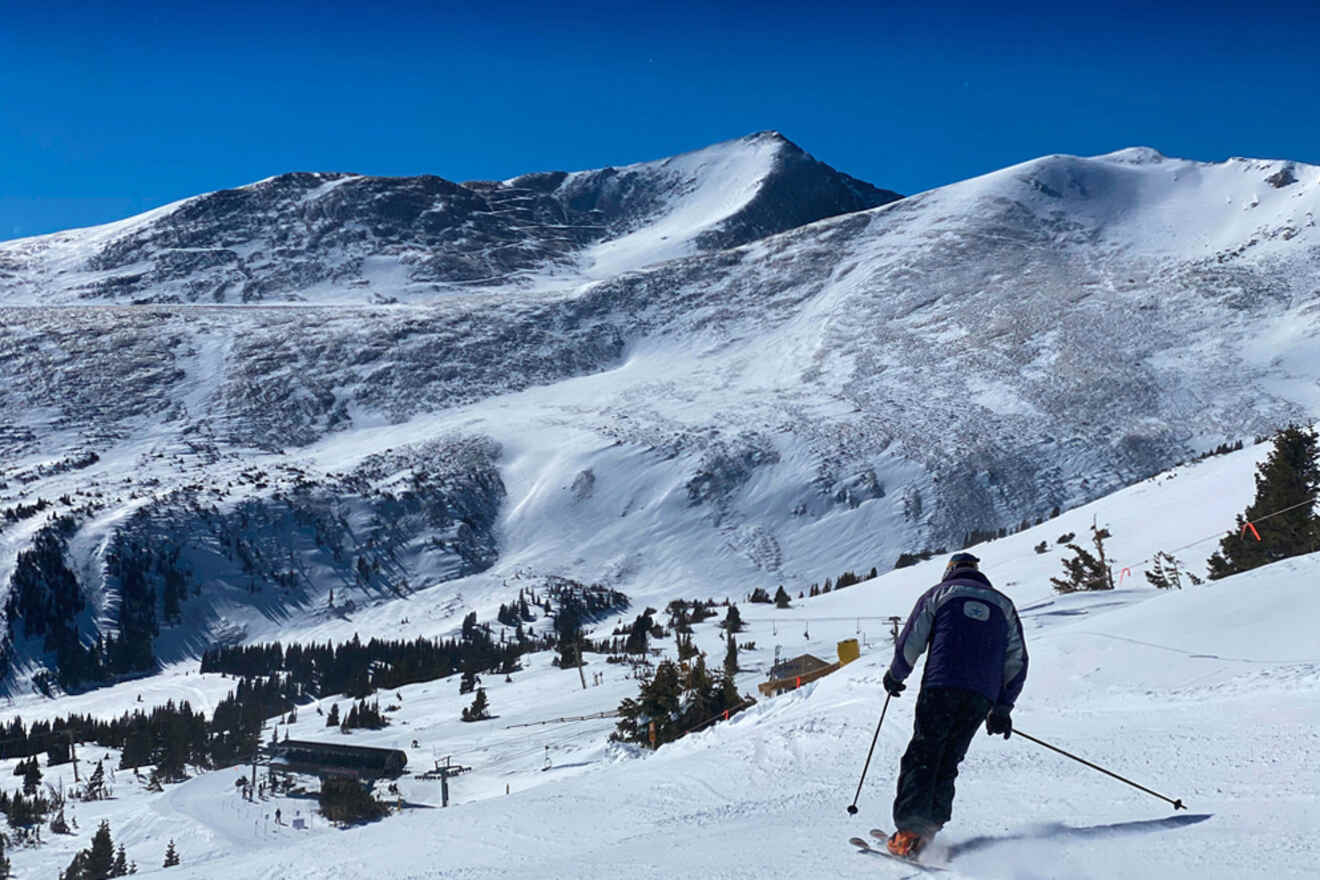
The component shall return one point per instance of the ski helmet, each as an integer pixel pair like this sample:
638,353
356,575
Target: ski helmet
960,560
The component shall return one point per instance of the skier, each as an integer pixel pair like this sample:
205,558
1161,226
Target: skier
975,671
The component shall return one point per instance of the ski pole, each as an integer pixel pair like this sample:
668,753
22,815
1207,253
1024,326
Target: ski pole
1177,804
852,808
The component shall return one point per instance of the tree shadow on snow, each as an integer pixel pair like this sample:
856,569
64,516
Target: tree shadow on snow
1058,830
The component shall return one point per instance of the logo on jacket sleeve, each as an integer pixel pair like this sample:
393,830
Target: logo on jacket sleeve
976,610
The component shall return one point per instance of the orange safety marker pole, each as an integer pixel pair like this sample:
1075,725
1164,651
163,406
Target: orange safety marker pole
1248,525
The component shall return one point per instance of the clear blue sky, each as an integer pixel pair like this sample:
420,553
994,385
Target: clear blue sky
108,109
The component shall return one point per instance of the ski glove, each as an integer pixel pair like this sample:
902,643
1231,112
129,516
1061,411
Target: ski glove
893,685
999,721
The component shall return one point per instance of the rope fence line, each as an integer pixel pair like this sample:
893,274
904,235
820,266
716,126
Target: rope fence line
1246,524
567,718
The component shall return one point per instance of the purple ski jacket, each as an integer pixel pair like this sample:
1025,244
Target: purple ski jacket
974,635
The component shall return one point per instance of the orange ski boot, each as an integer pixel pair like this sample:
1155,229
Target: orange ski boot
905,844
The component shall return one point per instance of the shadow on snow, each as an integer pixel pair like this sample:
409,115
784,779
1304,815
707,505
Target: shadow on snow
1058,830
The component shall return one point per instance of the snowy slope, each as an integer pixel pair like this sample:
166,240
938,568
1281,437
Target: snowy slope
1211,695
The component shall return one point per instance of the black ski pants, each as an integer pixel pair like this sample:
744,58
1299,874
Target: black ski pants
947,719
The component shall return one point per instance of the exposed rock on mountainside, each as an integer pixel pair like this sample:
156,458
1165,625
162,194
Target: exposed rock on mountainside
697,369
317,237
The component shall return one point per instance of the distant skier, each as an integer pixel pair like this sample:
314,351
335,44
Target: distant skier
975,671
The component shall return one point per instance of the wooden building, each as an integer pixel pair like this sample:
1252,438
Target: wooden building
805,668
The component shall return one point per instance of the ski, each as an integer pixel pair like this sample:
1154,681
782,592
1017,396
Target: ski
867,849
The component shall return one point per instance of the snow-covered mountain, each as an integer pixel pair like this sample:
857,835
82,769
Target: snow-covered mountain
746,368
345,238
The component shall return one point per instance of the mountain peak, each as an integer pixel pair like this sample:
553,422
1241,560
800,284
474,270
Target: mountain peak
342,236
1134,156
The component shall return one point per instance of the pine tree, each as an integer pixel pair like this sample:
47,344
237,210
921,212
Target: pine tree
733,620
701,698
120,867
96,783
639,632
1167,572
657,702
781,598
171,855
467,682
100,855
686,650
332,720
1288,481
1086,571
730,656
477,711
31,776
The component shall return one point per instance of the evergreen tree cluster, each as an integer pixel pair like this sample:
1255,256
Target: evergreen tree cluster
31,773
479,710
844,580
168,737
131,563
637,635
357,669
1281,521
44,595
364,715
99,861
976,536
516,613
21,511
345,800
684,613
676,699
578,604
906,560
25,812
46,598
